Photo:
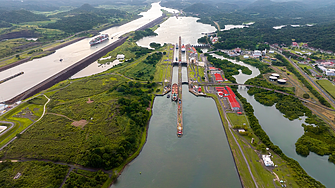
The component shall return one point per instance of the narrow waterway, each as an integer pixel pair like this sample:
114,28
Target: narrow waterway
285,133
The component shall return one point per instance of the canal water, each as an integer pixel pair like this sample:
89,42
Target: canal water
40,69
201,158
285,133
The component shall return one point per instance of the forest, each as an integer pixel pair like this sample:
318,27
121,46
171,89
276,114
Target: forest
228,68
18,16
141,34
86,17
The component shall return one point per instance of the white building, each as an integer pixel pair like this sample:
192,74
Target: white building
202,64
267,160
120,57
324,69
257,53
330,72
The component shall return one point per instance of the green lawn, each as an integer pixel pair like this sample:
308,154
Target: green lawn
328,86
238,120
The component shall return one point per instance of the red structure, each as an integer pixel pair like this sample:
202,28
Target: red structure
231,97
218,77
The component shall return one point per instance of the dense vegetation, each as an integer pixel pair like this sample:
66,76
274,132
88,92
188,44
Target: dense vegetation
19,16
317,138
81,178
115,123
80,22
266,15
228,68
145,33
301,177
34,174
263,67
86,17
289,67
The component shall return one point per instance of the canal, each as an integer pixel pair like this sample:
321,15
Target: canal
37,70
285,133
201,158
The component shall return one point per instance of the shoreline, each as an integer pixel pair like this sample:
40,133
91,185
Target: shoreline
48,52
111,181
81,64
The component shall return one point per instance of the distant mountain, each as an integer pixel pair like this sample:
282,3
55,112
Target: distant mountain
19,16
28,5
267,8
203,9
211,9
86,8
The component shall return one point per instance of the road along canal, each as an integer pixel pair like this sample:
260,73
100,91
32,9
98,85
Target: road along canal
285,133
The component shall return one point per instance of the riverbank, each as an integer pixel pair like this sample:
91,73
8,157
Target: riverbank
144,139
5,66
73,69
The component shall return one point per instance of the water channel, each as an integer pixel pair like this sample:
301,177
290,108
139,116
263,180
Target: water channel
37,70
285,133
201,158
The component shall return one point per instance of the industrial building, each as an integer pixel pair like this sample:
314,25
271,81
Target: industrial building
227,92
218,77
281,81
267,160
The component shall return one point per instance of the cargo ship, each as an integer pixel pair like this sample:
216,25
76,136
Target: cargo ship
174,92
183,48
99,39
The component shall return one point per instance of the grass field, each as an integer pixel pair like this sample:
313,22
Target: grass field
263,176
23,115
238,120
328,86
33,174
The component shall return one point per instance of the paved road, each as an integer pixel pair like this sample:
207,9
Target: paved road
315,85
245,159
44,110
8,128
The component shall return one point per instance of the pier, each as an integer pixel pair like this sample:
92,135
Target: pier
11,77
179,101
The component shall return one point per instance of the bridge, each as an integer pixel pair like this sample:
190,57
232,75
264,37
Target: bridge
201,46
268,89
184,64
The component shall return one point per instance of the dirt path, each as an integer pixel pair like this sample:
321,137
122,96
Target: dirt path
217,25
61,116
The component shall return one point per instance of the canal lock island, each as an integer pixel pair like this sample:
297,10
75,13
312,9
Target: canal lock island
163,100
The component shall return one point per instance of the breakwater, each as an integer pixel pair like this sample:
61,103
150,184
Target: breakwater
11,77
47,52
68,72
73,69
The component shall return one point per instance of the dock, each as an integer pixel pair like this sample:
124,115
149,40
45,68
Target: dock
180,127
